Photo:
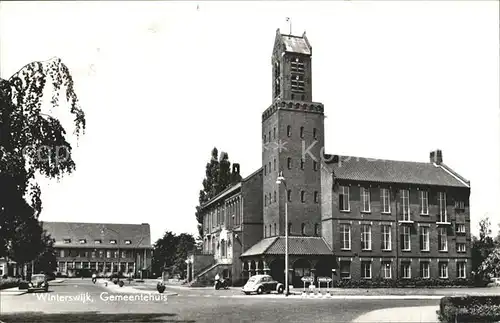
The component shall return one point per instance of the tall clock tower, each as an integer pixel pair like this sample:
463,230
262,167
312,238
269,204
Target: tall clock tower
293,138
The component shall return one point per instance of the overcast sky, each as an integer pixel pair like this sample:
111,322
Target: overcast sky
162,83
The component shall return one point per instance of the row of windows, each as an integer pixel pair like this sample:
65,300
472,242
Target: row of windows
222,247
404,195
97,241
303,230
269,199
386,240
386,269
94,253
289,165
302,131
217,216
99,266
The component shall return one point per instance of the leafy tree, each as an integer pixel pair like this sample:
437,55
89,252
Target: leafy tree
164,252
218,177
482,246
171,251
491,265
185,245
32,142
46,261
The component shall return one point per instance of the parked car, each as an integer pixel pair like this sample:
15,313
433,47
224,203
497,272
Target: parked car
262,284
38,282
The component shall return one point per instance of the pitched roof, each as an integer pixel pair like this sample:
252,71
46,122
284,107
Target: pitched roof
296,44
299,246
392,171
138,234
230,189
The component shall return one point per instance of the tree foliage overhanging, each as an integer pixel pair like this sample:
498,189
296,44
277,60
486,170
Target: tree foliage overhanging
33,142
485,252
218,177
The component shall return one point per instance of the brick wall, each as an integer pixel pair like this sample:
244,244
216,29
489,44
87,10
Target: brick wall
326,207
356,218
297,179
252,231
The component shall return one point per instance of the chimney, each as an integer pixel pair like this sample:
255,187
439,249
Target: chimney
436,157
236,169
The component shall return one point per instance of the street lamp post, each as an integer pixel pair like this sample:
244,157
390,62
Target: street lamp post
281,180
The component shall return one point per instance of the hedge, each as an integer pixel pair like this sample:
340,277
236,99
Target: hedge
13,282
402,283
469,309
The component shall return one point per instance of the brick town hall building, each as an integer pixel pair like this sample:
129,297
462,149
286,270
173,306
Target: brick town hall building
364,217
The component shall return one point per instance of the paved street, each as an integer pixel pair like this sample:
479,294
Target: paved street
193,305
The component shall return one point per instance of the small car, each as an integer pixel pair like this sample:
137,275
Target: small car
38,282
262,284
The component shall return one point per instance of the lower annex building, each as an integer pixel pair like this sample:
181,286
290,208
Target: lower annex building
366,218
101,248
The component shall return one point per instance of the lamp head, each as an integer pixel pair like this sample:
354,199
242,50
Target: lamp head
280,179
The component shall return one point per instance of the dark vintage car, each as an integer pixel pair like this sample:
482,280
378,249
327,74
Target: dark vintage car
38,282
262,284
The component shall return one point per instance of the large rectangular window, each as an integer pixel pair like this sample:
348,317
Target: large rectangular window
461,270
386,269
424,238
443,216
345,269
406,238
386,237
424,202
460,228
366,237
405,204
345,235
366,269
443,270
442,239
424,269
386,200
365,198
406,270
344,198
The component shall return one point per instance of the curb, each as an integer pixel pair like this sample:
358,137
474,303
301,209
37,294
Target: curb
346,297
13,291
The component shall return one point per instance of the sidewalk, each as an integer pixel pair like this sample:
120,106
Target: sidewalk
13,291
419,314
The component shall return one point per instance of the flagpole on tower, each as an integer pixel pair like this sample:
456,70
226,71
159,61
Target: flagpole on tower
289,23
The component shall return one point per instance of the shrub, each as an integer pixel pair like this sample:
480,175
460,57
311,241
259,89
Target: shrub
469,309
23,284
402,283
8,283
120,283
